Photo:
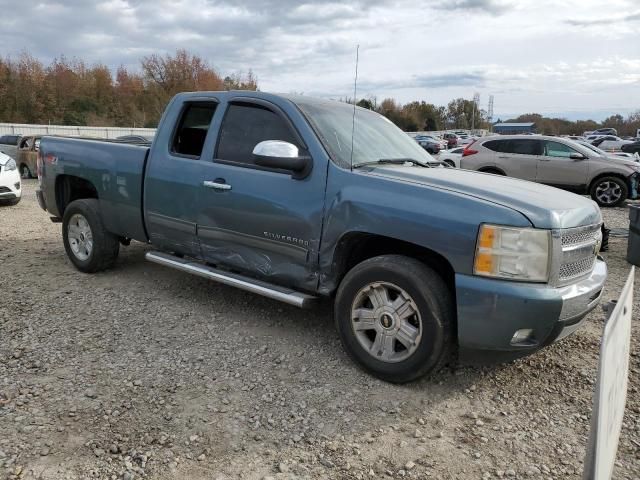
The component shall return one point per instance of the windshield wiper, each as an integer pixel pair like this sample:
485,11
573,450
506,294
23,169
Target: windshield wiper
393,161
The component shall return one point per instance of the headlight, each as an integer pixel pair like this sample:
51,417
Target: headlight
10,165
513,253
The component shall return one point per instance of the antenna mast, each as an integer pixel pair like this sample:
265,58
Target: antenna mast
355,92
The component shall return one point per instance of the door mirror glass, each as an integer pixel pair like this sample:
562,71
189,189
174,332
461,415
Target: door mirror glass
281,155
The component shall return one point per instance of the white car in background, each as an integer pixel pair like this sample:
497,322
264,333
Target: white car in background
610,143
451,157
465,139
10,184
593,148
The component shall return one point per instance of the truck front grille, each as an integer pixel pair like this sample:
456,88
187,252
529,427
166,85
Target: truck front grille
579,250
576,269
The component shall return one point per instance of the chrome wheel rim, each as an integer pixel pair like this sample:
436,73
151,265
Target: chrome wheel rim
24,173
80,237
608,192
386,321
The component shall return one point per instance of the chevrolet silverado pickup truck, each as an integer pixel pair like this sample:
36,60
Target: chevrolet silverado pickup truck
296,199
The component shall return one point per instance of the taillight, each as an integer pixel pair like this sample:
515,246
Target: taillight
468,150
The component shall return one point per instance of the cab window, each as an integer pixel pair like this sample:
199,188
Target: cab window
244,126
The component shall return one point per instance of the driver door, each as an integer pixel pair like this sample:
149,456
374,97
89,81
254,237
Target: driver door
257,219
557,168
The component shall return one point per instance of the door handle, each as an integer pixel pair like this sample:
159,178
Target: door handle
216,185
545,160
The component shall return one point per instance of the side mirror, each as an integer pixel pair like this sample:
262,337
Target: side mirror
282,155
577,156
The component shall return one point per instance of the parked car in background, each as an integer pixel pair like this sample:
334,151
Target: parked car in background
465,139
451,157
601,131
27,154
451,138
278,195
430,144
442,142
609,143
633,147
9,145
10,186
558,162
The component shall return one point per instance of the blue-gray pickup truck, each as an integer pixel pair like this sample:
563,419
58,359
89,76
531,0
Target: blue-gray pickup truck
296,198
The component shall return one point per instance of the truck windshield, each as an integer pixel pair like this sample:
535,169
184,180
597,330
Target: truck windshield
374,137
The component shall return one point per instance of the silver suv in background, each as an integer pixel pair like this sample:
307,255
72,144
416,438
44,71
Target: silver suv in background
556,161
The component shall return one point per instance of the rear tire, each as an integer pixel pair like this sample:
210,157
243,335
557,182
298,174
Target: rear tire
450,163
399,297
25,172
609,191
89,246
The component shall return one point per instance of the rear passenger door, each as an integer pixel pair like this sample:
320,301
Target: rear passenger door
519,158
558,168
174,177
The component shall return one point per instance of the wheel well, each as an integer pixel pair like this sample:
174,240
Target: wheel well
493,170
602,175
70,188
356,247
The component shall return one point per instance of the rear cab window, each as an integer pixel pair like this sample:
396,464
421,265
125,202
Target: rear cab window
193,126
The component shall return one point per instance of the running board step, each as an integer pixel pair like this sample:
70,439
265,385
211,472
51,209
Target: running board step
249,284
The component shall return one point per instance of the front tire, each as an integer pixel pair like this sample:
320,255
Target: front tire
394,316
609,191
89,246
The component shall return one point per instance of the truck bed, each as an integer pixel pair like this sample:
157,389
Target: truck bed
115,170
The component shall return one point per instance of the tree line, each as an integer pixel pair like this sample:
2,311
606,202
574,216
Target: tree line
463,114
69,92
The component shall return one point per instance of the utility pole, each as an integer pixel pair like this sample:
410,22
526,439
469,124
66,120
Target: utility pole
476,101
490,113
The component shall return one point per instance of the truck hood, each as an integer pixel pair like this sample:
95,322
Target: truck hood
545,207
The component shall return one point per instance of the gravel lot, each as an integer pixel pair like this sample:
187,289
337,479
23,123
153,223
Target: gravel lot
144,372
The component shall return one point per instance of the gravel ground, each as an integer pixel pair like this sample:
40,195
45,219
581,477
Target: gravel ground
144,372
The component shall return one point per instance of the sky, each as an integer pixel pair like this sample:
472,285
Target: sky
575,58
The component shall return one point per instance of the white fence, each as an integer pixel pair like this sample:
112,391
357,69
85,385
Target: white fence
65,130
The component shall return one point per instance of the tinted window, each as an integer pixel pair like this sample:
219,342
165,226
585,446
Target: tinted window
9,139
192,129
556,149
523,147
244,126
496,145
